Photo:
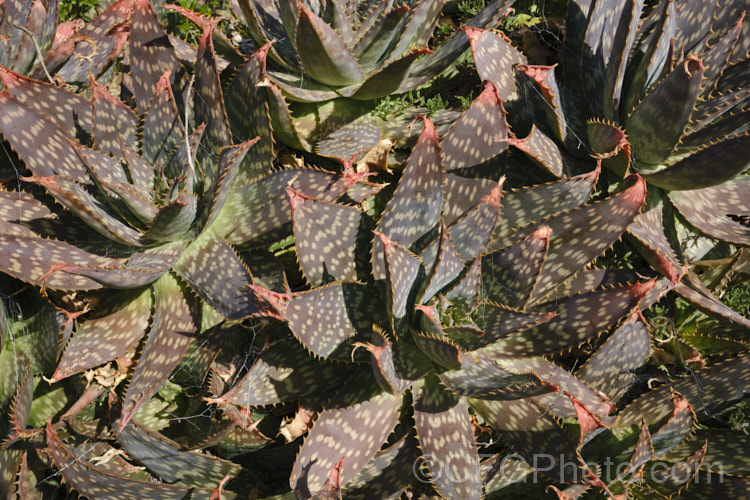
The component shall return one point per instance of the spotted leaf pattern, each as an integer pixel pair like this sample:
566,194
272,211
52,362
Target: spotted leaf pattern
95,482
438,415
99,340
220,280
478,135
174,325
495,56
164,457
354,425
415,206
326,235
284,372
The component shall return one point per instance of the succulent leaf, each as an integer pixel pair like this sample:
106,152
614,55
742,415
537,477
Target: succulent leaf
175,323
284,372
117,327
439,414
493,54
220,280
95,482
353,425
208,98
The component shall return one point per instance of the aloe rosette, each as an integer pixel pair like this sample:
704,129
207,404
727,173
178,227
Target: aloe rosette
456,314
128,224
654,90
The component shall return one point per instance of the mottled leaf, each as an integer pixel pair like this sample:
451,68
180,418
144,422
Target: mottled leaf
477,136
389,79
708,209
326,237
175,323
163,457
94,482
472,231
693,290
571,247
387,474
610,369
163,129
214,271
447,266
691,172
439,417
677,428
43,146
101,40
69,111
404,271
509,275
354,425
495,56
247,112
578,319
151,55
118,326
542,150
262,210
346,307
415,207
372,45
344,137
440,350
284,372
18,412
499,322
323,53
531,204
208,99
395,365
656,124
113,122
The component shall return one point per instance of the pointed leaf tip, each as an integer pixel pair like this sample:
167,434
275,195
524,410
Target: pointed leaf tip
472,32
276,300
543,233
639,290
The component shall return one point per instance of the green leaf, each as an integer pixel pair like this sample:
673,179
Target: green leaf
371,48
692,289
324,55
345,132
690,172
441,417
354,425
174,219
174,326
389,79
440,350
395,366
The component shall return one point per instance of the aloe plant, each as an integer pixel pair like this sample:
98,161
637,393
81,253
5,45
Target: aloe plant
328,61
451,316
120,224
